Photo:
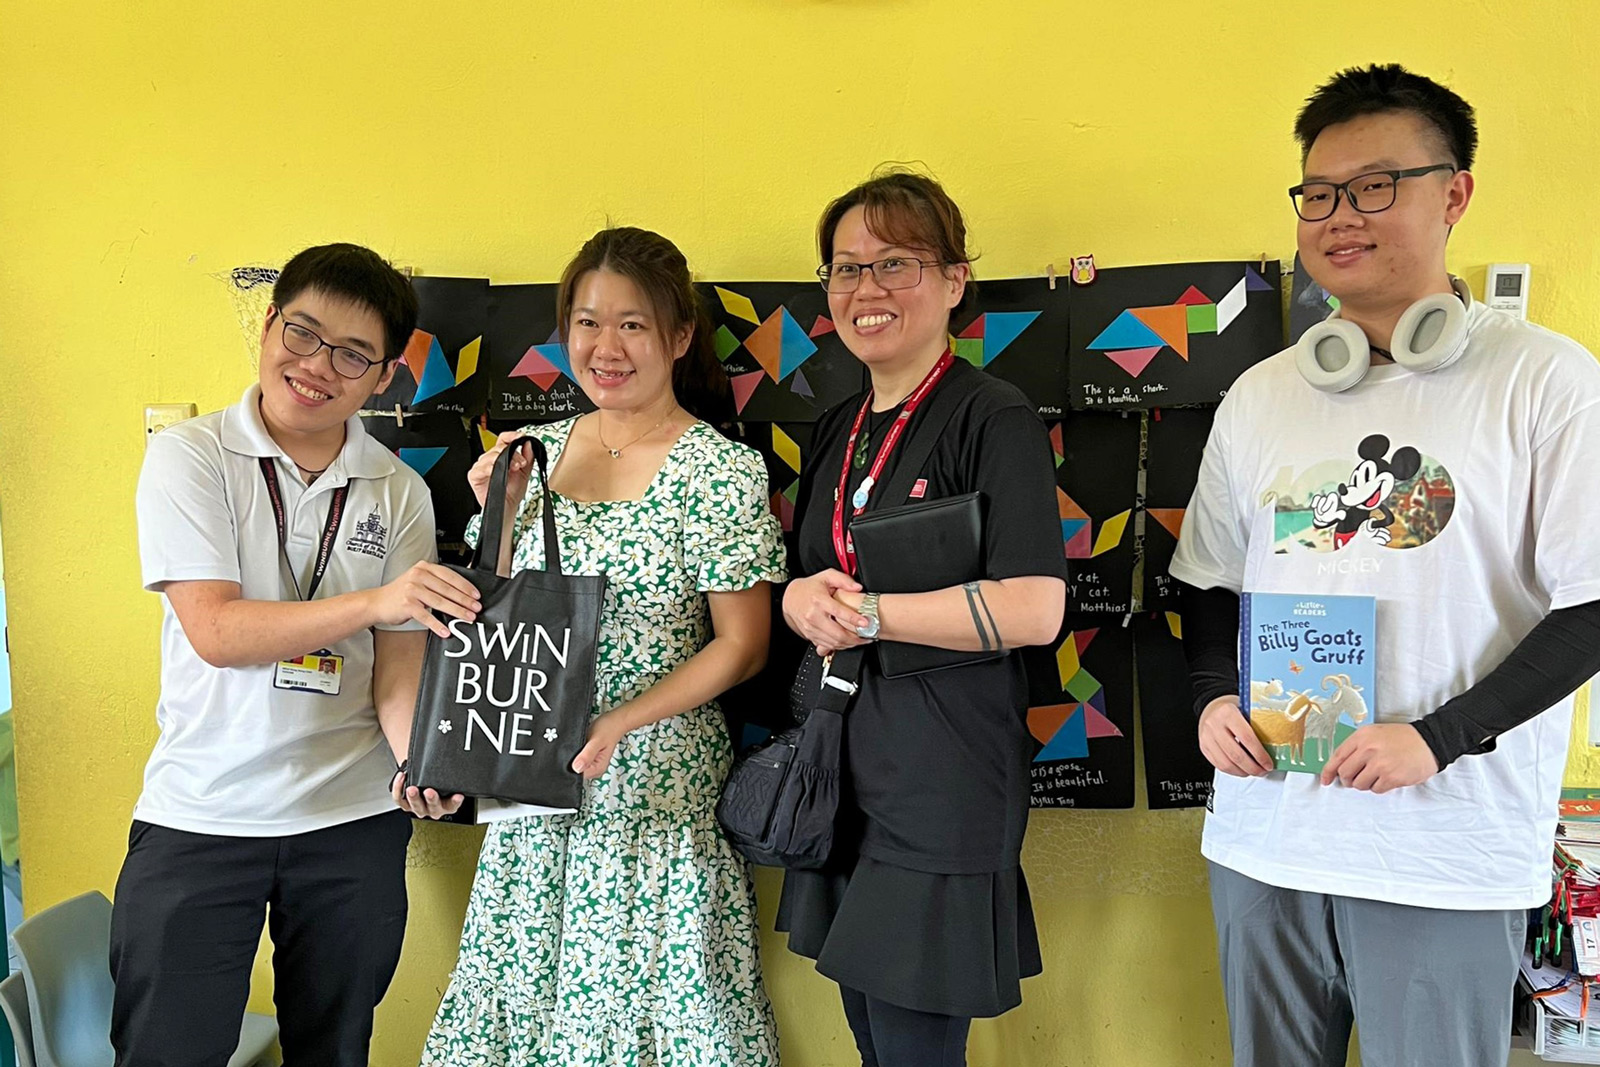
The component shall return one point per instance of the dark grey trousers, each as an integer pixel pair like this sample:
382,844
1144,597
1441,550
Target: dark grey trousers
1425,987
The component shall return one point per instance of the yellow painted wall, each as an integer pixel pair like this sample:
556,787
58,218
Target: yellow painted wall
147,146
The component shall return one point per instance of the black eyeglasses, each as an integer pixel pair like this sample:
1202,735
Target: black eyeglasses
893,272
346,362
1368,193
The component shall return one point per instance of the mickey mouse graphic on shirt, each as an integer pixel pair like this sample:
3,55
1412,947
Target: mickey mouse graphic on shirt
1357,505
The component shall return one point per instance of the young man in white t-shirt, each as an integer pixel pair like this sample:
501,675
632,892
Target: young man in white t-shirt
1454,483
295,558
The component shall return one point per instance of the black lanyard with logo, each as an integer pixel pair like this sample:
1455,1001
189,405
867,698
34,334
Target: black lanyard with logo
330,529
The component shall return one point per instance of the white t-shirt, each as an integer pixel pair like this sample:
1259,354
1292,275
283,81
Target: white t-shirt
1485,487
237,756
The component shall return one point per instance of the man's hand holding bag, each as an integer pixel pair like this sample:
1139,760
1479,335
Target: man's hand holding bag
504,702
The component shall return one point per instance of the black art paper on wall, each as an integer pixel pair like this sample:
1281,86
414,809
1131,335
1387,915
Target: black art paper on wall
1176,439
1176,774
439,446
1080,711
1170,335
1018,333
1309,303
444,366
782,354
1097,489
532,377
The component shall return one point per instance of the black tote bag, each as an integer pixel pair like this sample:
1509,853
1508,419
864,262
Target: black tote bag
503,706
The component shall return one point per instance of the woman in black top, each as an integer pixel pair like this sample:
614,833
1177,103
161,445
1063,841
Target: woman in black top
923,917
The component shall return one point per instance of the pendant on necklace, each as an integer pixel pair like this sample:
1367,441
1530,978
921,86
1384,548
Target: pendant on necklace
861,496
616,453
861,450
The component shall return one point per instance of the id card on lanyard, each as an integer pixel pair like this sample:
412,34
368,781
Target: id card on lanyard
321,671
843,547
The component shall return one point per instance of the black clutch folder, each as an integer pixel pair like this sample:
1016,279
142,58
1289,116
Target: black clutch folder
916,548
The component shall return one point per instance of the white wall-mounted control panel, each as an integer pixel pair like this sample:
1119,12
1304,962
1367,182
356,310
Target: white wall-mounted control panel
1505,288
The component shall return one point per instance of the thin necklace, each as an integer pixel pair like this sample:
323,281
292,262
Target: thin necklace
616,453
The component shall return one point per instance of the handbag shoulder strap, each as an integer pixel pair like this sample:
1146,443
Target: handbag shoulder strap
488,555
839,680
927,428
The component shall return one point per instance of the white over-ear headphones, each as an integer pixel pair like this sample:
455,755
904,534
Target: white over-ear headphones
1334,355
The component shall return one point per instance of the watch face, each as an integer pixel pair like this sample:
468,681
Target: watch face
870,630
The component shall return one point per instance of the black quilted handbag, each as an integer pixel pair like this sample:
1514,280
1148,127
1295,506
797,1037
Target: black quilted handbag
781,796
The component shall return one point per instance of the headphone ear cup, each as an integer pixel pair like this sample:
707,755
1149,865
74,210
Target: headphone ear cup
1332,355
1432,333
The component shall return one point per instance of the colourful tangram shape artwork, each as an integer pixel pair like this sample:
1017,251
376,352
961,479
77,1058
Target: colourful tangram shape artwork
487,439
738,306
467,361
1056,444
422,460
1066,729
544,364
1171,519
991,334
424,358
785,448
1077,531
743,385
783,506
779,344
1136,335
1134,360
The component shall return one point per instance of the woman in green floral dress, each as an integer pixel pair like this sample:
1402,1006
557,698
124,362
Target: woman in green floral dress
625,935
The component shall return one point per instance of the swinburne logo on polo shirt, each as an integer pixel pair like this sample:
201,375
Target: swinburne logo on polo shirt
369,537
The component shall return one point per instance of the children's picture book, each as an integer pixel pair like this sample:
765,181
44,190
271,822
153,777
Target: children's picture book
1307,672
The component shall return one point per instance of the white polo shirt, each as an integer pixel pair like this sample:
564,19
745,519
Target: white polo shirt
236,756
1483,501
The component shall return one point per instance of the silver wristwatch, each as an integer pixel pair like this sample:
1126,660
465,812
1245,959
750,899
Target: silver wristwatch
869,608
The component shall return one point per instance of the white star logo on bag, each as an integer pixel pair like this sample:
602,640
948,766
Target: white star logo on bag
444,726
550,735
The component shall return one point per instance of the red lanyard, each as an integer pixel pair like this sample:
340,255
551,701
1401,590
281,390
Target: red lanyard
843,546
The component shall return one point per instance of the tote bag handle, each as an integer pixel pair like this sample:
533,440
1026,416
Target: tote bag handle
488,554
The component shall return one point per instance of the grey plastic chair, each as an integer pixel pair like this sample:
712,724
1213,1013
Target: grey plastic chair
14,1006
64,952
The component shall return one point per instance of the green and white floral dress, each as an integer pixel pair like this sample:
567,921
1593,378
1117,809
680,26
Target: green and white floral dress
625,935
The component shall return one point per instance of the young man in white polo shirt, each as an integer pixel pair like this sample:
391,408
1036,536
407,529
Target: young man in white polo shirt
1439,457
295,556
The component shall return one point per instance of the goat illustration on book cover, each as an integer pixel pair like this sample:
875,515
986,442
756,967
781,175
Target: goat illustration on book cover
1307,672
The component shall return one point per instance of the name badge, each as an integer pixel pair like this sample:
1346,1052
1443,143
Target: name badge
317,672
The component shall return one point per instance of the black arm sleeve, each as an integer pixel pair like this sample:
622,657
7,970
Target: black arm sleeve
1211,642
1557,656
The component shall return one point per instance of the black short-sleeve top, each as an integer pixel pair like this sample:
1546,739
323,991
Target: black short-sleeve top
938,764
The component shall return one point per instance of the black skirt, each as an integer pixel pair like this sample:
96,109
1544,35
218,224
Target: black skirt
951,944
